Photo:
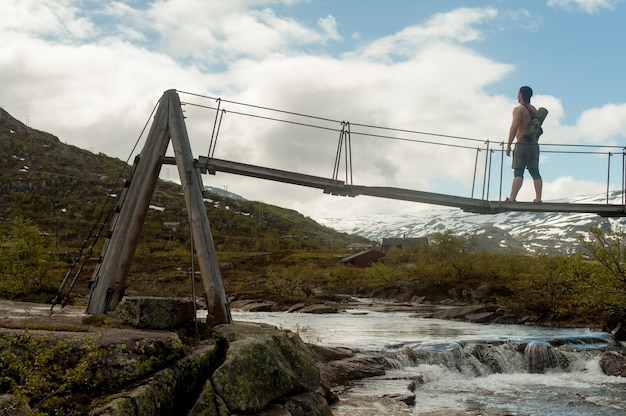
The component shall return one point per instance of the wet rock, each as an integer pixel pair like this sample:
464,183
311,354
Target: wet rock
319,309
341,372
325,354
613,363
619,333
505,319
415,382
239,304
481,318
253,305
296,307
460,313
541,357
260,307
408,399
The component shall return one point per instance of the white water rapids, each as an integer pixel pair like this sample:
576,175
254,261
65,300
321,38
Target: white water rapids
457,368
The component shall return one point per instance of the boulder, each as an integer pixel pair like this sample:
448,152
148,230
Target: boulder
613,363
619,333
154,312
262,365
341,372
319,309
481,318
461,312
482,293
167,391
325,354
296,307
253,305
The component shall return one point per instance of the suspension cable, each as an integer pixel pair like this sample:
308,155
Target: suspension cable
400,135
376,135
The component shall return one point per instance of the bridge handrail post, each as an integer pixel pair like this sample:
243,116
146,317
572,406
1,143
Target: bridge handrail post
215,127
624,177
501,169
342,133
348,150
608,177
485,172
475,168
489,174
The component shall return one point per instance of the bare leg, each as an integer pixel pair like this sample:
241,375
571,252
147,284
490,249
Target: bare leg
538,188
515,187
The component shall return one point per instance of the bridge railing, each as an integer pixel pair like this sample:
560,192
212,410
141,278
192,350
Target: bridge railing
383,155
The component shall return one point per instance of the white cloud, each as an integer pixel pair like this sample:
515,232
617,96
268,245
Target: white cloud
455,26
60,19
587,6
596,125
97,93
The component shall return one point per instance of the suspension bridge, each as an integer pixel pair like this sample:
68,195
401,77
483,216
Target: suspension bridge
108,281
345,186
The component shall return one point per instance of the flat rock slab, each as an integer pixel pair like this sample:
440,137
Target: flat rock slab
154,312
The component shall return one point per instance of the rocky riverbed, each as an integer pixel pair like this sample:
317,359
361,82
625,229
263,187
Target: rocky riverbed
226,370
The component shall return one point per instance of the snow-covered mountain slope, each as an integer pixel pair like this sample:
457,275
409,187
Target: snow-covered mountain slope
547,232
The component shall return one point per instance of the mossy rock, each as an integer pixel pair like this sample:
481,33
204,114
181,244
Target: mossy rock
263,364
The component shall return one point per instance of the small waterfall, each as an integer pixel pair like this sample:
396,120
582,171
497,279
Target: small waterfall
541,356
483,357
448,367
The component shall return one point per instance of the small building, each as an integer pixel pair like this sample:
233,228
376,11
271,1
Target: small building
359,246
400,243
363,258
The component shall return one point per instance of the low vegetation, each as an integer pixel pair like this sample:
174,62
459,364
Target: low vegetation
564,289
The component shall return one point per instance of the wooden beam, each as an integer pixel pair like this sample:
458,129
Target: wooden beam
191,179
109,280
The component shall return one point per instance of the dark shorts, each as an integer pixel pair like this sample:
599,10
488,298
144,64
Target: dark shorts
526,154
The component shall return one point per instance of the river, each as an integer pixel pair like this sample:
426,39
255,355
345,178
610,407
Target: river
458,368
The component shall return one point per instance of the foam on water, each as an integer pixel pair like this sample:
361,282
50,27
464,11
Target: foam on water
462,367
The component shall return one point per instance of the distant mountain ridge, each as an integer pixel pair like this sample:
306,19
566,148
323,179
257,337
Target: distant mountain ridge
512,232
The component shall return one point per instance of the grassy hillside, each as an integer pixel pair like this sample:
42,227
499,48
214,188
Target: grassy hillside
70,194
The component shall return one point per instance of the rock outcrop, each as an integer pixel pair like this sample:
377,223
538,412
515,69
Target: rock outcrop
613,363
245,369
108,367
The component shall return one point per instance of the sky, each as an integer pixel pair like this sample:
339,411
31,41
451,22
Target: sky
91,72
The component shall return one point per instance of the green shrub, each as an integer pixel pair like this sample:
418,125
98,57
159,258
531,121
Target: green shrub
22,261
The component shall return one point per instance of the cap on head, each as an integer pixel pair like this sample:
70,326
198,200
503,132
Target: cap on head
526,92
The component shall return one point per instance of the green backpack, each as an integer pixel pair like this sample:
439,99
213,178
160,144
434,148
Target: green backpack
534,128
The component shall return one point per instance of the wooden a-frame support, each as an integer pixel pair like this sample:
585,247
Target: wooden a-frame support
109,279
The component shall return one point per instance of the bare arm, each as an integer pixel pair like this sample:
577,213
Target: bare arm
515,124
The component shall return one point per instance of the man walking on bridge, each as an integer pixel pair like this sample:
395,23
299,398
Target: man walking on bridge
526,152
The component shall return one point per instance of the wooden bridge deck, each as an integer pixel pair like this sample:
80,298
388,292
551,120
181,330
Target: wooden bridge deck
337,187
